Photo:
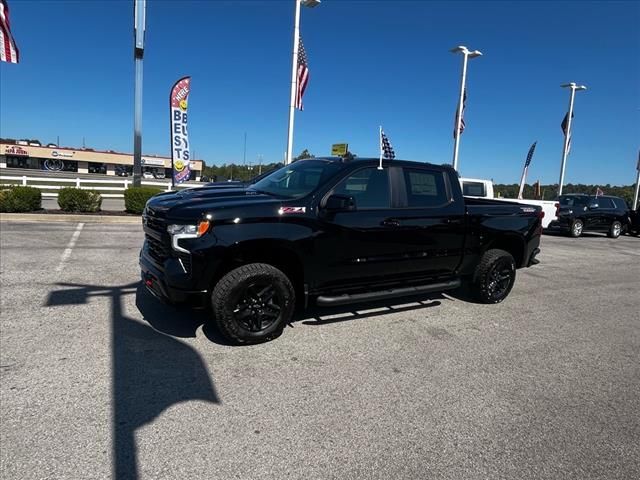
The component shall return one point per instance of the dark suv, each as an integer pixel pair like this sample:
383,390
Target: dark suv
578,213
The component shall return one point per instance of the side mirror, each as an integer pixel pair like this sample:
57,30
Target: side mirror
593,206
340,203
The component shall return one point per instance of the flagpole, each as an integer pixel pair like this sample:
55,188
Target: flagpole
463,81
522,180
294,82
567,136
380,145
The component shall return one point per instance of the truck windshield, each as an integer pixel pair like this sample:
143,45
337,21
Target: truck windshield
297,179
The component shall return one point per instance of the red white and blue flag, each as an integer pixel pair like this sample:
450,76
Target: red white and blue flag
462,124
599,192
303,75
8,49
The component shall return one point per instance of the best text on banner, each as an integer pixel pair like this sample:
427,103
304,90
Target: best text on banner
180,153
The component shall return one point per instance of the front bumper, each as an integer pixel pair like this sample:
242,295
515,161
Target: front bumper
160,284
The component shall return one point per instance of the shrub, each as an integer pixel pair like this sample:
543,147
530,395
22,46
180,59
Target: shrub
135,198
20,199
71,199
4,200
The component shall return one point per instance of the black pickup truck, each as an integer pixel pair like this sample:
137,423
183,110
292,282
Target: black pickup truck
331,231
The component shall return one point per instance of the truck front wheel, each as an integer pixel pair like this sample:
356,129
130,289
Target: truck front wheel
494,276
253,303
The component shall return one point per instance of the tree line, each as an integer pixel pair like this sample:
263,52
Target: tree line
231,171
550,192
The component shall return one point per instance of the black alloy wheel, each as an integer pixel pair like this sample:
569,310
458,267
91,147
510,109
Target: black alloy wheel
495,276
258,306
500,278
253,303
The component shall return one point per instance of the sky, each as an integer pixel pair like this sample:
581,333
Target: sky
371,63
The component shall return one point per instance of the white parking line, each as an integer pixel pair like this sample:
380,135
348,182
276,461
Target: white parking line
67,251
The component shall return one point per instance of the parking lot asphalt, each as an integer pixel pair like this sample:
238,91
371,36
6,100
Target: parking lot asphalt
98,380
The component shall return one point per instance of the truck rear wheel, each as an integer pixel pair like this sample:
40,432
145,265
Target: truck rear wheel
253,303
494,276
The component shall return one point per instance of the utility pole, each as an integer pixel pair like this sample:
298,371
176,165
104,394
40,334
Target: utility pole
140,7
244,154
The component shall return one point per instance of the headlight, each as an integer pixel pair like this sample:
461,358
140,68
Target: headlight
176,229
179,232
196,230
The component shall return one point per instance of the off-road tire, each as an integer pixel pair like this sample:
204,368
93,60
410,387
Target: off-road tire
615,230
234,286
577,227
494,265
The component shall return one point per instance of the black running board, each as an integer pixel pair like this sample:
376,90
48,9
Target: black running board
334,300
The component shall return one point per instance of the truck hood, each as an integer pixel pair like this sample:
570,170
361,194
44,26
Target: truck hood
193,203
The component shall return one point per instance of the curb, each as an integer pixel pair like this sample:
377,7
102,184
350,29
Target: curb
43,217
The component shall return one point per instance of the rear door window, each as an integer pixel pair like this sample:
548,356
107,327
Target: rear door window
605,203
619,203
425,188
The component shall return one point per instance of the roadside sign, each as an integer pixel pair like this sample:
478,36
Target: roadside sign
339,149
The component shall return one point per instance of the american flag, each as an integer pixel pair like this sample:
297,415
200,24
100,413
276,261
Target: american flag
525,170
303,75
8,49
530,155
462,124
564,125
599,192
386,150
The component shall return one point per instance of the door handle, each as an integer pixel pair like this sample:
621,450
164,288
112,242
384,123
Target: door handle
390,222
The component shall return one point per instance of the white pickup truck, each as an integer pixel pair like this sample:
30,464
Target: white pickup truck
479,188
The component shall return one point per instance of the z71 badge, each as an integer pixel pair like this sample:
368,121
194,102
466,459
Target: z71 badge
285,210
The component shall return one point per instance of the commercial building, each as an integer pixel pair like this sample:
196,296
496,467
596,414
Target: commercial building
84,160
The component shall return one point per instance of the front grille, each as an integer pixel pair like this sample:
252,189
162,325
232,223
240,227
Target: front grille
159,243
155,224
158,240
157,249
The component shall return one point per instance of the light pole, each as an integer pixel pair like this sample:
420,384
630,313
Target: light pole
567,135
139,12
466,54
635,195
294,73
